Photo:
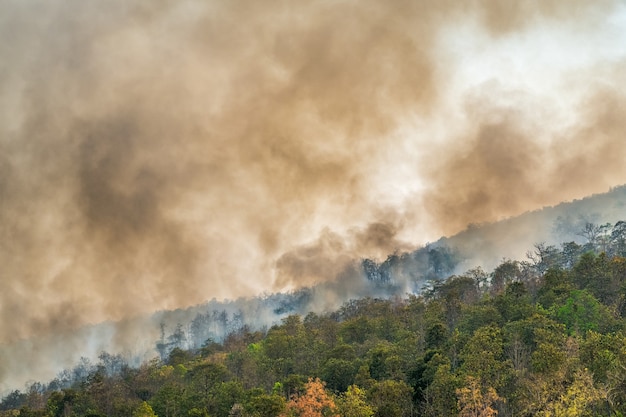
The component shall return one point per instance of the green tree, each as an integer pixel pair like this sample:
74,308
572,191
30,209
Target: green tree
436,335
601,353
479,315
391,398
422,375
549,354
595,273
439,397
169,400
223,397
363,377
202,378
339,374
581,311
454,293
505,273
278,347
70,402
515,303
178,356
355,330
556,287
266,405
483,357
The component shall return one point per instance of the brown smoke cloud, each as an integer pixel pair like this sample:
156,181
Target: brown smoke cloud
155,154
504,162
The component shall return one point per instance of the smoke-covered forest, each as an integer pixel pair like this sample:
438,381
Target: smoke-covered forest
220,208
544,336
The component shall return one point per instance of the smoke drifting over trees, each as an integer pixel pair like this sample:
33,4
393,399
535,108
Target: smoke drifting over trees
156,154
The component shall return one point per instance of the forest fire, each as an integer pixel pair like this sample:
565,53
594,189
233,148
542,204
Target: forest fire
155,155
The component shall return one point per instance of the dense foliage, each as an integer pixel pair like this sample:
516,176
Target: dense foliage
544,337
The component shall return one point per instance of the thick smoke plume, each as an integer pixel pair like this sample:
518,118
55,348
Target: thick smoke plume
156,154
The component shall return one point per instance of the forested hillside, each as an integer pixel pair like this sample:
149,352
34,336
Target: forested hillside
188,327
541,337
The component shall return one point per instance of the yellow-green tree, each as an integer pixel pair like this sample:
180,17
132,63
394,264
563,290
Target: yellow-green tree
476,401
354,403
578,400
144,410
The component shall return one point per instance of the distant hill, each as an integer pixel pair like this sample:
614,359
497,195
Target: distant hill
487,244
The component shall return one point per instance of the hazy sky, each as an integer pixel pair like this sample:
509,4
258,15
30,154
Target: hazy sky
156,154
